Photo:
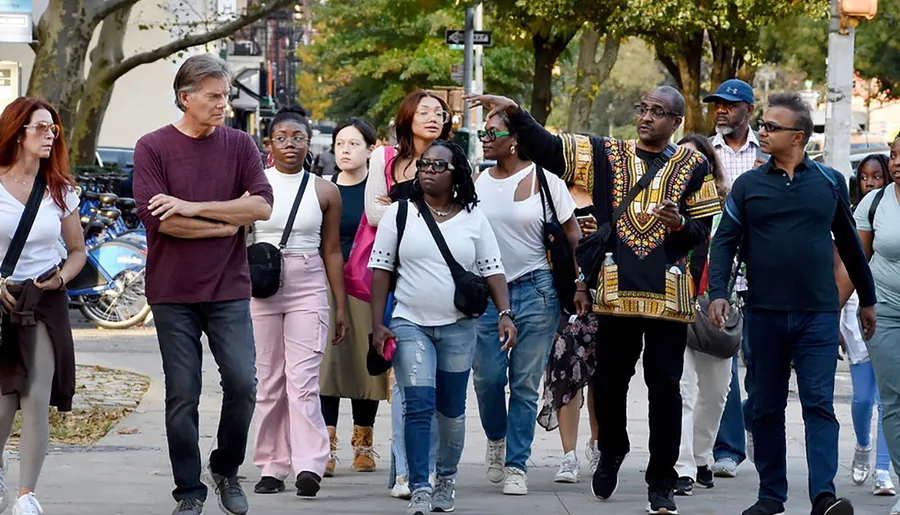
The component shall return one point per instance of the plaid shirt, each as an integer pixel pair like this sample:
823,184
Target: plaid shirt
736,163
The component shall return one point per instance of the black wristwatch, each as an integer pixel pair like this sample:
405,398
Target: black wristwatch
509,313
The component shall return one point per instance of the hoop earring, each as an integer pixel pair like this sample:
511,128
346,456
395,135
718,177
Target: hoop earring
512,149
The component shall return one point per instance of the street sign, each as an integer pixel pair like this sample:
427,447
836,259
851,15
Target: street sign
458,37
457,74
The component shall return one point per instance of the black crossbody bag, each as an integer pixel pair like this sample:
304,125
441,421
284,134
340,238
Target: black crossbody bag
471,297
591,249
559,252
265,259
17,244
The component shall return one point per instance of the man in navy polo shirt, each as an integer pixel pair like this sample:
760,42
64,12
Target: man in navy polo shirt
783,215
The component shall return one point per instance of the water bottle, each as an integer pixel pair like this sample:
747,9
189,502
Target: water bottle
675,270
609,259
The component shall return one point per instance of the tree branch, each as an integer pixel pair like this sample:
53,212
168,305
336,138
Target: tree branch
108,7
226,29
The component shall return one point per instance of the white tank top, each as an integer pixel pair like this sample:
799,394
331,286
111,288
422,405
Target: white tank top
306,234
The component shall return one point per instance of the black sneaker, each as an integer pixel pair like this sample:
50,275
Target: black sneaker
188,507
307,484
705,477
269,485
828,504
230,494
765,507
684,486
661,502
605,481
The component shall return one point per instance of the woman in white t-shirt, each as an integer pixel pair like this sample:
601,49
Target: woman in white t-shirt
510,198
290,328
41,371
435,343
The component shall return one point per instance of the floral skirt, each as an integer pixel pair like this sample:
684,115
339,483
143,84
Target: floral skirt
570,368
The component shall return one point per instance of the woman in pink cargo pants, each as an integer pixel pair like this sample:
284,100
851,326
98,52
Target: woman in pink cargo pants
291,327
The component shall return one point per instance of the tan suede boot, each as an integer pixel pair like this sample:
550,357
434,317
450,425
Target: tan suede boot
363,454
332,459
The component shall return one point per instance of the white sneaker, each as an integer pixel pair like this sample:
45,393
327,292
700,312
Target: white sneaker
516,482
4,490
896,509
861,466
495,459
568,469
401,488
27,505
592,453
883,484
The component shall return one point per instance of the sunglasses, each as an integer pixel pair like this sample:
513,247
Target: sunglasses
44,128
436,166
774,127
492,134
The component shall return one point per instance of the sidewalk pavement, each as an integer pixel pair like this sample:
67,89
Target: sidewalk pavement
130,473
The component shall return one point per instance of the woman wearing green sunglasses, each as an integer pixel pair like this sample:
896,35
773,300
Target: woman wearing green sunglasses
509,196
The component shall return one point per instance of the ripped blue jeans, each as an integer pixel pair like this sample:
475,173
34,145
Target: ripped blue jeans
432,367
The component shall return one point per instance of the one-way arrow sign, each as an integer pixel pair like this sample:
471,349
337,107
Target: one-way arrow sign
458,37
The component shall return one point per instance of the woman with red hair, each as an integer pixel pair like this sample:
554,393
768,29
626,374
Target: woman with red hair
37,356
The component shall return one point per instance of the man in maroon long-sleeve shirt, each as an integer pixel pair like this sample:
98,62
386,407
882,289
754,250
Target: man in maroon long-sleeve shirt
197,184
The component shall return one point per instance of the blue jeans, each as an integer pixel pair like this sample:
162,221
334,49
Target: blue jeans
534,302
884,351
398,442
731,442
230,332
432,366
810,341
865,395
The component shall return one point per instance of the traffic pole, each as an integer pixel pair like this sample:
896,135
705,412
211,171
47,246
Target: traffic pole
467,75
478,88
838,109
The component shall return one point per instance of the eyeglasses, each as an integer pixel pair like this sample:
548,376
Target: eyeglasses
656,113
492,134
443,116
282,140
774,127
436,166
44,128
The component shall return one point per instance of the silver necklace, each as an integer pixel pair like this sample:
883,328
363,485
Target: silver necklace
439,213
17,180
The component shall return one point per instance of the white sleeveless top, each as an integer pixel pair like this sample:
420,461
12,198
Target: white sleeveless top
306,234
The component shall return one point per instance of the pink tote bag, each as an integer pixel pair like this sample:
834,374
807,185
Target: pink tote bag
357,276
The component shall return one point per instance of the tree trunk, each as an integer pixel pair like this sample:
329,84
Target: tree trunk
64,35
547,49
591,74
685,68
98,88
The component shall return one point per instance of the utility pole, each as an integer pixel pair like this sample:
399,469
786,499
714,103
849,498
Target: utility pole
467,75
838,110
476,152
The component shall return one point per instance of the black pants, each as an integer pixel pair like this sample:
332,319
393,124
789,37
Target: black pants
619,347
228,328
364,411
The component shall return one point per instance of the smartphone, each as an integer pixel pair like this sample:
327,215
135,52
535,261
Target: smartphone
390,346
46,275
583,218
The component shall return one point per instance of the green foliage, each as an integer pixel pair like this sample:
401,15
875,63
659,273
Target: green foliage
369,55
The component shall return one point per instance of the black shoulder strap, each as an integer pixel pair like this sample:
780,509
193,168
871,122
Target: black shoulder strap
658,164
546,198
334,177
455,267
874,207
402,212
24,228
290,221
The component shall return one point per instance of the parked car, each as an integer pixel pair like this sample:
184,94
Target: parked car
124,159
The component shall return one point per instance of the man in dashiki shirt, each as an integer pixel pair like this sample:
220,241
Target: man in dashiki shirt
647,293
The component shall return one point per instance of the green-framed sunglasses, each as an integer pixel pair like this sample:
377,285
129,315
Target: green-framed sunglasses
492,134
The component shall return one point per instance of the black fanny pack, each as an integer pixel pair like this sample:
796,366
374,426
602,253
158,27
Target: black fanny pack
471,297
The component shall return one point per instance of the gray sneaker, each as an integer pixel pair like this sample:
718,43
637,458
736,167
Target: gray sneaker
229,494
444,495
420,503
188,507
726,467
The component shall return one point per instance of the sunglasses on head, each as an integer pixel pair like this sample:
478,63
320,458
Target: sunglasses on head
492,134
436,165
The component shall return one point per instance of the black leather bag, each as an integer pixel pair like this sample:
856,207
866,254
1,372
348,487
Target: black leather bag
704,337
265,258
471,297
591,249
559,252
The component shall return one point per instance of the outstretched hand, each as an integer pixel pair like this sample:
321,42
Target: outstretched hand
496,103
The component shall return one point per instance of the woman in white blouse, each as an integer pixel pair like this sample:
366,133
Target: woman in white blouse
510,198
435,343
290,328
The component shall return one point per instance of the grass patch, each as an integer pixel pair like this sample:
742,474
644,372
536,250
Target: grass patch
83,426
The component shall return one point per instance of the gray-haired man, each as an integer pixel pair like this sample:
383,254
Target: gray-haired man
197,183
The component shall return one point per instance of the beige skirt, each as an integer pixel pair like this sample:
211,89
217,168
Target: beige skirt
343,372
